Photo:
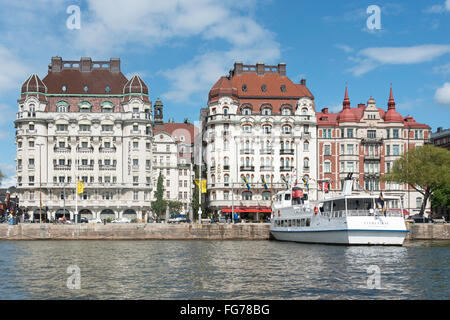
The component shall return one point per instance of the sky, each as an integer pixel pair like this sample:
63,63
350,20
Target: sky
181,48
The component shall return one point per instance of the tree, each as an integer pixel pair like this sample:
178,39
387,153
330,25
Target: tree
425,169
175,206
159,205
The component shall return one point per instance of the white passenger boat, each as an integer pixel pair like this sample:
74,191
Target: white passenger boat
347,219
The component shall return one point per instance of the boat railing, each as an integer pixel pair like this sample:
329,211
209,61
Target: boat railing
361,213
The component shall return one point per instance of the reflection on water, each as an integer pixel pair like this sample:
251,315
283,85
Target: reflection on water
221,270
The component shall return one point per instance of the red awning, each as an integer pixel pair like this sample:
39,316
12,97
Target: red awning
247,210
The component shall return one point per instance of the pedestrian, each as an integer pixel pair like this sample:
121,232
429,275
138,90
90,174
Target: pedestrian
236,217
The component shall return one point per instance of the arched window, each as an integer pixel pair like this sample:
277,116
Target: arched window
286,111
226,179
225,110
266,111
247,111
246,195
287,129
306,146
304,111
267,128
306,162
226,161
247,128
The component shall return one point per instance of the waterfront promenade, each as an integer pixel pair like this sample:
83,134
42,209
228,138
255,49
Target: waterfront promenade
162,231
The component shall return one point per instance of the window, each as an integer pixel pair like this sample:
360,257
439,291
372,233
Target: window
306,146
85,127
225,111
395,133
388,150
349,133
244,87
350,166
31,144
247,111
286,112
107,127
283,88
266,111
327,167
263,88
395,150
349,149
371,134
226,195
306,163
287,129
31,127
418,202
247,128
246,195
266,195
267,129
135,144
327,149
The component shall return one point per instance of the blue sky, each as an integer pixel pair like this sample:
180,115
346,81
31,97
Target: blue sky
180,48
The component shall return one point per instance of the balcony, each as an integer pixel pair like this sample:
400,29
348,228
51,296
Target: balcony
247,151
372,157
286,151
266,151
107,167
266,168
85,149
107,150
371,140
286,168
62,167
247,168
62,149
86,167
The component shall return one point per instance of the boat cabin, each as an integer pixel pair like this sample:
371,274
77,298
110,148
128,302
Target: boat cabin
287,198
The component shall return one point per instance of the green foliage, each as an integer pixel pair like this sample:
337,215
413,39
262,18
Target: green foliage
159,205
175,206
425,168
441,197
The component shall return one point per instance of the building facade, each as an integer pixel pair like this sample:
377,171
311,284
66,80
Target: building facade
84,121
173,145
259,131
366,140
441,138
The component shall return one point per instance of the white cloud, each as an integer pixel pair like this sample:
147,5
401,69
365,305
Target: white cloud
13,70
444,69
344,48
439,8
442,95
371,58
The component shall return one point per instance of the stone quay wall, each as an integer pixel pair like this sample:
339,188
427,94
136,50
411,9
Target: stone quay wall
161,231
135,231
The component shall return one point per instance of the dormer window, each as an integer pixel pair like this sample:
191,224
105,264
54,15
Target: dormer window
247,128
247,111
64,88
304,110
266,111
108,89
244,87
263,88
283,88
286,129
225,110
267,128
286,112
107,107
85,89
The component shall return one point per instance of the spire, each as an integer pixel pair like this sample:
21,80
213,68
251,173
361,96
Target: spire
346,102
391,102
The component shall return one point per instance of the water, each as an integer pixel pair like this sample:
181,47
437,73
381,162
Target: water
221,270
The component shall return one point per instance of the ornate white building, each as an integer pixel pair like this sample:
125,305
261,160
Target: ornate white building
258,125
84,121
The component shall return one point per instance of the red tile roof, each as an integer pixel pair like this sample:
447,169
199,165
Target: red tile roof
188,130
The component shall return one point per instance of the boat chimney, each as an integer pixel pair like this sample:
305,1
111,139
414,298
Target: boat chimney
348,184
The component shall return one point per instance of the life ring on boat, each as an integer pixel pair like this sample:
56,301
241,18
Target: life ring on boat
316,209
279,212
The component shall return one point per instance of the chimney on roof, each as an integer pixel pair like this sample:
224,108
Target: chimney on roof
282,69
303,82
114,65
56,64
260,68
85,64
361,105
325,110
238,68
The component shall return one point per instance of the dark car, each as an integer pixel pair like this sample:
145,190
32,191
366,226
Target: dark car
84,220
421,219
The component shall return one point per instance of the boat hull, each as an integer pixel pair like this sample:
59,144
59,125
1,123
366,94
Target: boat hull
343,236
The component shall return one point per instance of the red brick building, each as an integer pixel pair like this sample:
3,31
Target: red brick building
366,140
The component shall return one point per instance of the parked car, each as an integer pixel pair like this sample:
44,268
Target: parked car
121,220
420,219
95,221
177,218
84,220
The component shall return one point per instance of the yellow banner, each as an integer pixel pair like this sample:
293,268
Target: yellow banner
203,185
80,187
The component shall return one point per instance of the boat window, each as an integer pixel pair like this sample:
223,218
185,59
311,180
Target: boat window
290,223
287,196
308,222
360,204
327,206
298,222
302,223
338,205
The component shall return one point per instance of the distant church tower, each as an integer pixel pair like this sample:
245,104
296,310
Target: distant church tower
158,114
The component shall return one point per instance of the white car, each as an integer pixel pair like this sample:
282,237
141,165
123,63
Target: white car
95,221
121,220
